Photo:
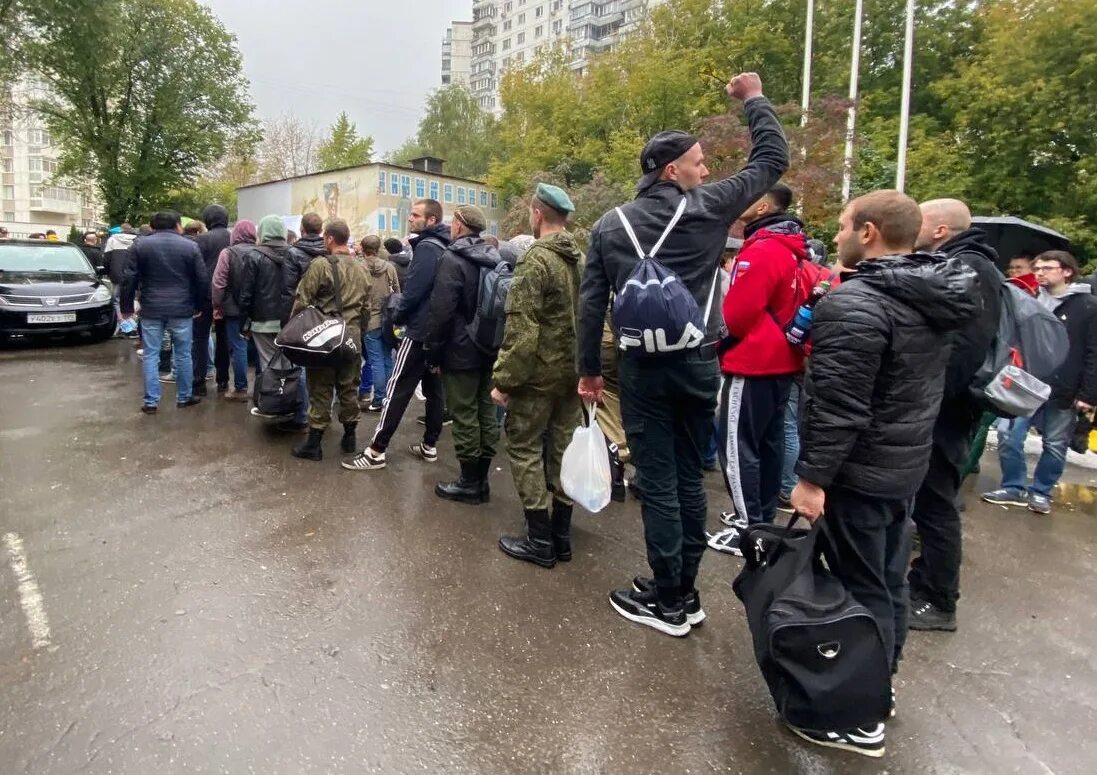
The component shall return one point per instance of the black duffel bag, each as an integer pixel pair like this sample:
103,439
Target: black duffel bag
820,651
277,388
315,340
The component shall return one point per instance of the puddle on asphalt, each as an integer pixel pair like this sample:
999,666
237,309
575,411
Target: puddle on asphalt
1076,497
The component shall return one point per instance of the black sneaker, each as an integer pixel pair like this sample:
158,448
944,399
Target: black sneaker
867,741
200,389
644,608
447,419
192,401
695,615
784,504
925,616
366,460
148,408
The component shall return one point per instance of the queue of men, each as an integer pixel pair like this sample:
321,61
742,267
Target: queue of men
885,416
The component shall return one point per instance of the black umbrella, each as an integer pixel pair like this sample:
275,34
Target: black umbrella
1013,236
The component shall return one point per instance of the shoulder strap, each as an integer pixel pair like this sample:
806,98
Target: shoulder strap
666,232
334,261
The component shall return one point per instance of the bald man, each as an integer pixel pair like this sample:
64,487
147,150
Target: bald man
935,575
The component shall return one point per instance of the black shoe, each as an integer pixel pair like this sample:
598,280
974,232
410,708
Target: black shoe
311,449
634,488
617,471
484,471
867,741
349,442
148,409
925,616
222,387
192,401
467,488
447,419
536,546
561,530
784,504
695,614
644,608
200,388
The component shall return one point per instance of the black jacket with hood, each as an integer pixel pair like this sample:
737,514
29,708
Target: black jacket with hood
413,311
300,256
401,261
453,305
877,373
694,248
263,294
214,240
1076,379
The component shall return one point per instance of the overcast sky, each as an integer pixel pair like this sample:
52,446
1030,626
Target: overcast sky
375,59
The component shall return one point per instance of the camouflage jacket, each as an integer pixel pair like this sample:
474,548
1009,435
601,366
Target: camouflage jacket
316,288
539,339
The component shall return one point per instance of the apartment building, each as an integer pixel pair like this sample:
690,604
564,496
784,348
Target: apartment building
457,54
512,32
32,199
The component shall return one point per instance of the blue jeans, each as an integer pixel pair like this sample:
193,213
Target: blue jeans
367,381
181,332
792,441
238,353
1056,425
380,361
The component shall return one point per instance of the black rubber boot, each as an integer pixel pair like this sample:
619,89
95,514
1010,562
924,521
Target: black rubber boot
561,531
483,472
536,546
311,450
617,469
466,489
350,438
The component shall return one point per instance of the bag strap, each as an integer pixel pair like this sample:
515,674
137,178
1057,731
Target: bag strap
666,232
334,261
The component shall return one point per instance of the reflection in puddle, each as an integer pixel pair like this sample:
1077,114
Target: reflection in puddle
1076,497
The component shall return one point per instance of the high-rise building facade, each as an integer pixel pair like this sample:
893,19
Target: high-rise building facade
32,198
506,33
457,54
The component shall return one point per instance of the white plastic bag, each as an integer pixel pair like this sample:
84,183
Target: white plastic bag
584,471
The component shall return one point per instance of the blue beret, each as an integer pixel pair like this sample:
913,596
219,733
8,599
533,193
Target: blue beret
555,197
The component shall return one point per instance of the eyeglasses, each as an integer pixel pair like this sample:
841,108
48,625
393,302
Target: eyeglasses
1039,269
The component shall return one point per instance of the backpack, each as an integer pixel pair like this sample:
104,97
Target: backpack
820,651
314,339
276,388
487,325
655,313
1029,347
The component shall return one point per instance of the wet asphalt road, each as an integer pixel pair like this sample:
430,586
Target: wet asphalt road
215,606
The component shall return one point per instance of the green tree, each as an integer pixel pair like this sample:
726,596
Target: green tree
454,128
144,93
343,147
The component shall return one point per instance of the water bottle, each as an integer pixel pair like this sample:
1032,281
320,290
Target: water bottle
799,329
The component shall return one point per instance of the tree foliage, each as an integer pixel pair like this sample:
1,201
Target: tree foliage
456,129
144,93
343,147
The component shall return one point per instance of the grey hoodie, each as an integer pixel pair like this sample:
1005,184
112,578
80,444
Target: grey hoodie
1053,302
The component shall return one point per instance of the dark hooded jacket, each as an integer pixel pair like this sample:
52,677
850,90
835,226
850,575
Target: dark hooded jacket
453,305
301,254
413,311
401,261
94,254
877,373
263,292
213,241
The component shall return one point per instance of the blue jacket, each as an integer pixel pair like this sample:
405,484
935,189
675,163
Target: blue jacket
413,311
168,270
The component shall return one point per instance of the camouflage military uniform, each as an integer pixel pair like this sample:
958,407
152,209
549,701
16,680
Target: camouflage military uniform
316,288
536,365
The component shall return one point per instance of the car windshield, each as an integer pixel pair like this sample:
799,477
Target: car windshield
43,259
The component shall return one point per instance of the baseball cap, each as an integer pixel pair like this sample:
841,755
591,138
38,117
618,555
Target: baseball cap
660,151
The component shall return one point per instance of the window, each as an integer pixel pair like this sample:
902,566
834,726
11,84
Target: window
483,198
506,25
9,193
395,219
472,196
521,19
557,27
521,38
508,7
9,215
506,44
420,188
39,137
448,191
381,217
394,184
539,12
34,164
494,200
520,57
6,165
556,5
495,230
381,181
460,195
7,139
539,31
434,189
405,185
506,62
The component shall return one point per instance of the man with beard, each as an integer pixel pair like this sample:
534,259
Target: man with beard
871,398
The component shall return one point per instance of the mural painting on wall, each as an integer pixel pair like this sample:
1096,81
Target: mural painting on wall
338,195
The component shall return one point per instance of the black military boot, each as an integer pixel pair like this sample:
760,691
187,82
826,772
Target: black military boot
536,546
350,438
484,471
467,489
311,450
617,469
561,530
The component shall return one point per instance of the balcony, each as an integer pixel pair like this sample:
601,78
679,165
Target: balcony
58,206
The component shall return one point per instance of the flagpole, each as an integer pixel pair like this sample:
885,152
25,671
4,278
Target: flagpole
805,96
851,120
904,111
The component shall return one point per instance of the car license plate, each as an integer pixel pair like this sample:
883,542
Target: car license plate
62,317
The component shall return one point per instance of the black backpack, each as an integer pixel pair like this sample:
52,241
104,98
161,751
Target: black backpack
821,652
487,325
276,388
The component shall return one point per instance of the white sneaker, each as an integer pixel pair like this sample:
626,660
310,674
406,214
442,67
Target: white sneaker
726,541
366,460
731,519
422,451
419,392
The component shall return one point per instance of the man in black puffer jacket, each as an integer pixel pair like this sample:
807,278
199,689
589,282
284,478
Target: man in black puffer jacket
307,247
935,575
876,377
466,368
210,244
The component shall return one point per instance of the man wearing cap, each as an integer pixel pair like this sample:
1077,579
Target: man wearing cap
465,364
668,400
535,377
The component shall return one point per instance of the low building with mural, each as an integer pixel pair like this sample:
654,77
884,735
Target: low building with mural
372,198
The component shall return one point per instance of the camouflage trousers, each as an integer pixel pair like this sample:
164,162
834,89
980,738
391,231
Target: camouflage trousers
475,423
339,383
540,423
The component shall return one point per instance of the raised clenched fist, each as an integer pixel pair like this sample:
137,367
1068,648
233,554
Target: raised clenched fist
744,86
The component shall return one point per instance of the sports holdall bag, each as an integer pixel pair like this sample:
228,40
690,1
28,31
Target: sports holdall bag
820,651
276,390
315,340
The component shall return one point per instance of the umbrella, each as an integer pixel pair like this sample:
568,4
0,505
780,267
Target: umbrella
1013,236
